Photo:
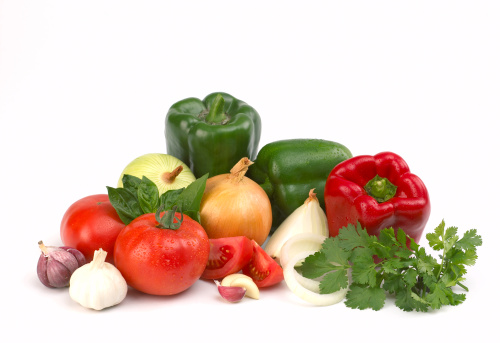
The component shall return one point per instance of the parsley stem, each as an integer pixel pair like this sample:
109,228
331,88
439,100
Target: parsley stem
463,286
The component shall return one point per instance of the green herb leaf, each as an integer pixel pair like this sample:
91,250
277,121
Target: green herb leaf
140,196
125,203
365,297
131,182
425,263
393,283
169,198
364,271
190,199
439,296
355,236
334,253
435,238
409,301
418,280
148,195
410,277
469,241
315,265
334,281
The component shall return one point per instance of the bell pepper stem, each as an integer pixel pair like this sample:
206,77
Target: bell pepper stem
381,189
216,113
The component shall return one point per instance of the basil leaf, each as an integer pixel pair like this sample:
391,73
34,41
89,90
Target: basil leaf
131,182
193,215
190,199
168,199
125,203
148,196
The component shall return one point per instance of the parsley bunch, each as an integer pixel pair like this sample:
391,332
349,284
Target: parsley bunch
377,266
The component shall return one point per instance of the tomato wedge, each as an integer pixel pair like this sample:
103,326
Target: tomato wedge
227,256
262,268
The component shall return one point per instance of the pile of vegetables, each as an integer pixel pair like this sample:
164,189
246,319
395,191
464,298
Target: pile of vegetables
331,225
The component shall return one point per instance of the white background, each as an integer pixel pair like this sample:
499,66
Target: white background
85,86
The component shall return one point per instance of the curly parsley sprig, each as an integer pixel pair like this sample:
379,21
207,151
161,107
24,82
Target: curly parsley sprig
402,268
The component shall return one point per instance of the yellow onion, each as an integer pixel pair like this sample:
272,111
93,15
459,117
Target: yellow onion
234,205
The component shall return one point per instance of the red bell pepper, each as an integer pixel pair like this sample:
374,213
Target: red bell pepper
378,191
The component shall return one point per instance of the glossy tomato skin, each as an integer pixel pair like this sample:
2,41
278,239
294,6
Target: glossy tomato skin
161,261
263,269
227,256
91,223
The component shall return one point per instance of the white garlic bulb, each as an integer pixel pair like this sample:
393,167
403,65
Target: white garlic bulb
309,217
97,284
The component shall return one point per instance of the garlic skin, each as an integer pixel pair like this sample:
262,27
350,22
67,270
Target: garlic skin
243,281
309,217
57,264
98,284
232,294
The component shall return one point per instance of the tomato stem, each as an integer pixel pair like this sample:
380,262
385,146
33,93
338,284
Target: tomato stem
169,220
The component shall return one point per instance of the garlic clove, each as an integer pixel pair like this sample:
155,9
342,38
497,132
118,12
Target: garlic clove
227,280
230,293
58,274
77,253
252,291
244,281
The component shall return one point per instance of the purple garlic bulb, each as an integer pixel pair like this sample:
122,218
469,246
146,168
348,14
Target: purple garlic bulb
56,264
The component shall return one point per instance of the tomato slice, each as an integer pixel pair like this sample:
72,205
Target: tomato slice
262,268
227,256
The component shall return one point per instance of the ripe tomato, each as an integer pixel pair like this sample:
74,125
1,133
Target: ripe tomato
227,256
161,261
262,268
91,223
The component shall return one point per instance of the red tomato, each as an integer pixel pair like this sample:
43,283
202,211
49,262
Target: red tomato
161,261
227,256
91,223
262,268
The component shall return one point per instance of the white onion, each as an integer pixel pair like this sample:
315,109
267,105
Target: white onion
309,217
310,293
300,242
294,251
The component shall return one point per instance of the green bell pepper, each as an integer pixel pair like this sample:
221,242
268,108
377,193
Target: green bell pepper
288,169
213,134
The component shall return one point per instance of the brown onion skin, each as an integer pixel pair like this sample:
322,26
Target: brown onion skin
235,207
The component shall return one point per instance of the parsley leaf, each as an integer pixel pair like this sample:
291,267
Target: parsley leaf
365,297
393,263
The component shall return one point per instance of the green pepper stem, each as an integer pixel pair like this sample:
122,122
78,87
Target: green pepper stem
381,189
216,113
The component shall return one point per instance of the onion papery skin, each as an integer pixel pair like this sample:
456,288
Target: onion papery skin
234,206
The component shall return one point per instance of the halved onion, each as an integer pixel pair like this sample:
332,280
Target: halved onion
300,242
294,251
